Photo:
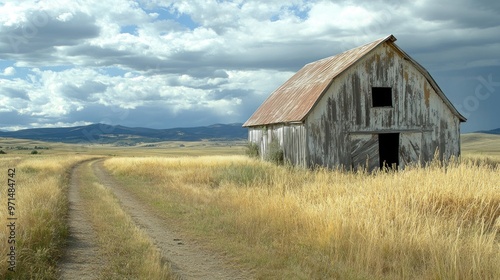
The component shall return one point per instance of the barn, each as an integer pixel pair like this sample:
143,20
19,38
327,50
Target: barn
368,106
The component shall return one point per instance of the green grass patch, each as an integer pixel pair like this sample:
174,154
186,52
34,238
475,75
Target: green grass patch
241,174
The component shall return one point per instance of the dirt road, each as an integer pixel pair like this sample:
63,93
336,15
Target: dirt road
188,260
81,259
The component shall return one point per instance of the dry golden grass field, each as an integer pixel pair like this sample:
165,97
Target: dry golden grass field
40,207
434,222
481,144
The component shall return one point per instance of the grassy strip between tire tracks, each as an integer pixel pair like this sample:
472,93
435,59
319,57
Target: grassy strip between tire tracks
129,253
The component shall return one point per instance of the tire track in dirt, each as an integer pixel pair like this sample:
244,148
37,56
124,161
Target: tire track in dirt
187,259
81,259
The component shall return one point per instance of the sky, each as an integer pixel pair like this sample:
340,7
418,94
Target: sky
164,64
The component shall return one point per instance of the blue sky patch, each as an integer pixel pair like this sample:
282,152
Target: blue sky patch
183,19
130,29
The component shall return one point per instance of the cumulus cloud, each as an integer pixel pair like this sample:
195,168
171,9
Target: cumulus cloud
9,71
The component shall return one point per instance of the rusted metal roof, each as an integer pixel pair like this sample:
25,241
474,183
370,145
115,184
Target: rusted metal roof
293,100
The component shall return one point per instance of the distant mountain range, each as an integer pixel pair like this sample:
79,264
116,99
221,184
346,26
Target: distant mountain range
103,133
493,131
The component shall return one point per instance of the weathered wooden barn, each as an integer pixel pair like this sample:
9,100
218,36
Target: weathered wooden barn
369,106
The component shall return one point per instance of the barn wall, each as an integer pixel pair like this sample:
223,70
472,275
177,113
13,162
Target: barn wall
291,137
256,135
343,124
445,133
294,144
410,148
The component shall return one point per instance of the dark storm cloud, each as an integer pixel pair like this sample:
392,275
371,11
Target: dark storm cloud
8,119
92,56
83,92
462,13
108,56
288,56
98,113
41,33
145,116
98,52
476,94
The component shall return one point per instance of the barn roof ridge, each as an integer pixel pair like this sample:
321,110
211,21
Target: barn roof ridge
292,101
390,38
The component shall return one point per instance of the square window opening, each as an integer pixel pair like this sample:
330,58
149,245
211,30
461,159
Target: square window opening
382,97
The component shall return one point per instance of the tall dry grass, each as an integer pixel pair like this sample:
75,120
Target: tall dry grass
437,222
41,207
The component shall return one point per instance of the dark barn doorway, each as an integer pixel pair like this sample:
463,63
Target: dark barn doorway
388,150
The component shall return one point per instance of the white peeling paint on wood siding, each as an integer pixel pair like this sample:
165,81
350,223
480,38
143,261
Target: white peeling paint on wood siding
291,137
256,135
410,145
294,145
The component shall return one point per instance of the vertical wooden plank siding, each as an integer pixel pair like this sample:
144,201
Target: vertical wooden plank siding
291,137
258,135
294,144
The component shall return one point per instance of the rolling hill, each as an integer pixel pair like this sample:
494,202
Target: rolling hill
480,143
103,133
493,131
